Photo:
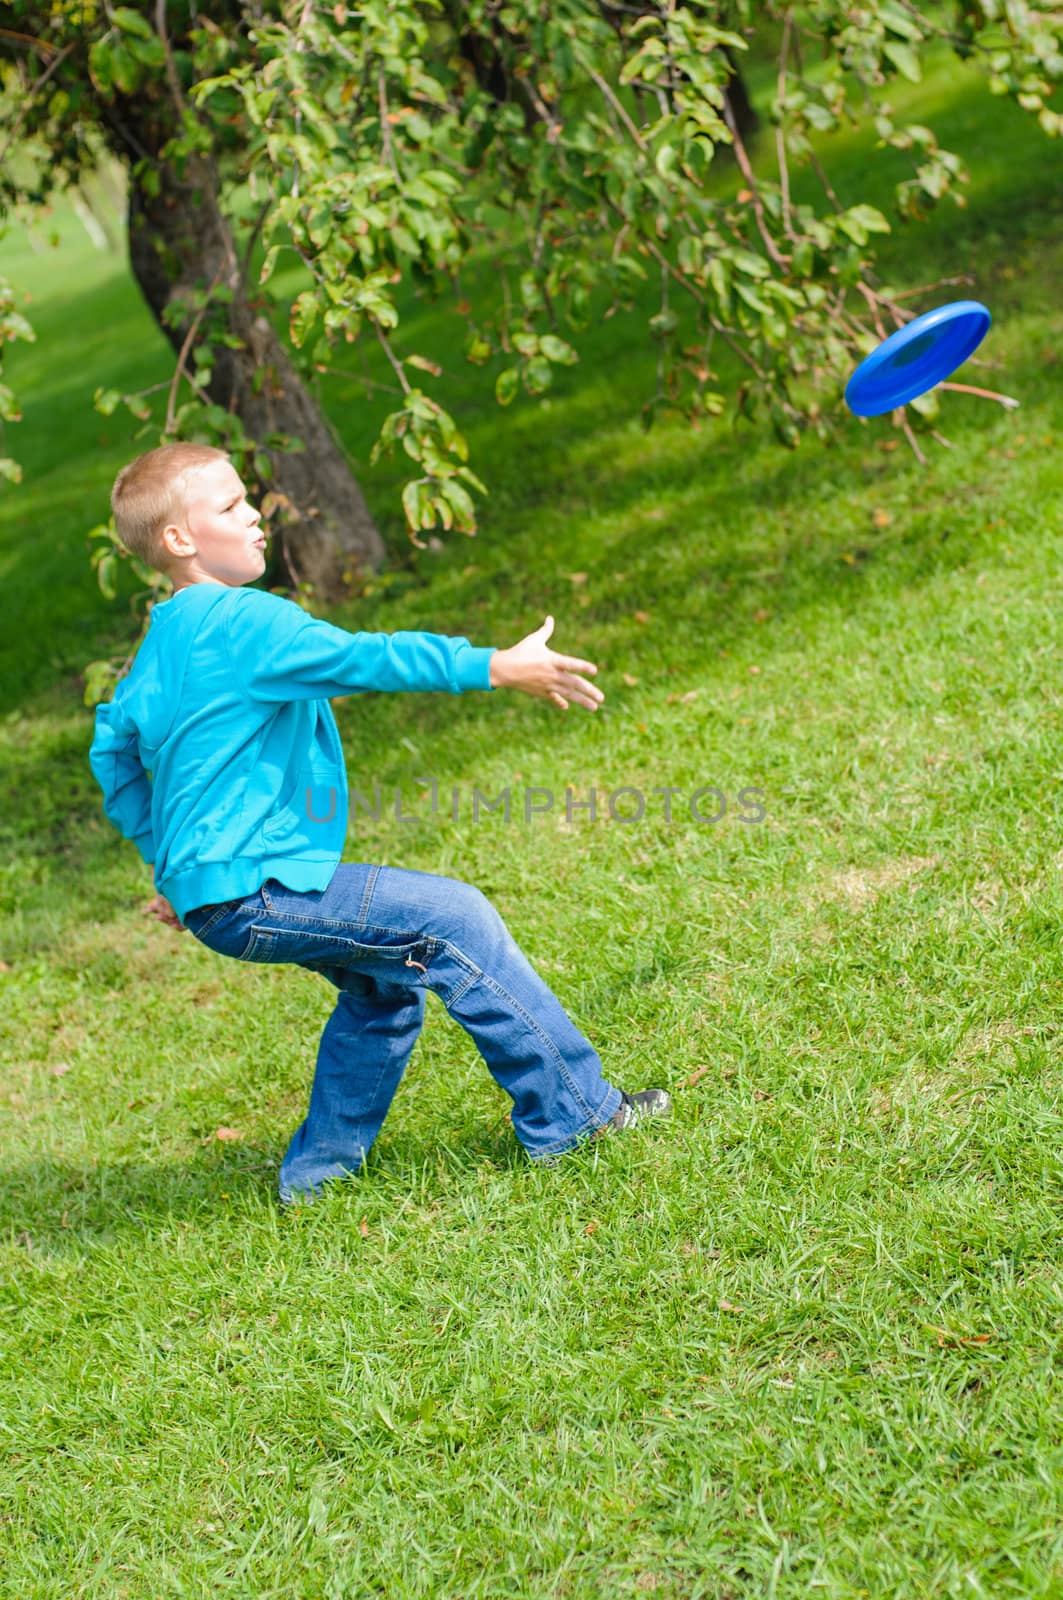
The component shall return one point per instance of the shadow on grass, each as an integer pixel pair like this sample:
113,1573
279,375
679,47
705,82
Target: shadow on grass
58,1210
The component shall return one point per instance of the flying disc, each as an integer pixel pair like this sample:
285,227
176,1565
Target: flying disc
917,357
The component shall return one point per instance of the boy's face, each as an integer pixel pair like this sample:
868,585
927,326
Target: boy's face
219,540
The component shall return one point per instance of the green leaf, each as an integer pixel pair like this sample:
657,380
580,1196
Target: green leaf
411,503
303,316
538,375
927,404
149,52
506,385
132,22
663,324
746,292
746,261
106,400
100,67
720,279
555,349
859,221
105,574
470,477
899,21
905,59
464,510
124,69
270,262
869,218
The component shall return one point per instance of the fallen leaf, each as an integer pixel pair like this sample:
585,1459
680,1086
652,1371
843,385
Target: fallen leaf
754,672
4,967
744,196
761,615
881,518
629,680
697,1075
363,1228
60,1068
642,616
577,578
725,1305
592,1227
228,1133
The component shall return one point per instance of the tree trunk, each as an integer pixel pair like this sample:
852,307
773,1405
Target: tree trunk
742,108
180,242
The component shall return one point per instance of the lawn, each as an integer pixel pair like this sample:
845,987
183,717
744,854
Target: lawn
805,1340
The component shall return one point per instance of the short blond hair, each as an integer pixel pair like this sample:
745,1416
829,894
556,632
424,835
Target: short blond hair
152,491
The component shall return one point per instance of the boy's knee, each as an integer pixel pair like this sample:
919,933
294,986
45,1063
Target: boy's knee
471,910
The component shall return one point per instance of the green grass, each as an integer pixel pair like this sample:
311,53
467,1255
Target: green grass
804,1342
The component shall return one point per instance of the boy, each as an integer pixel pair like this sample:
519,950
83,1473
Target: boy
244,819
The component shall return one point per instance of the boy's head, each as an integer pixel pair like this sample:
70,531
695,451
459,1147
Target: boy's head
182,509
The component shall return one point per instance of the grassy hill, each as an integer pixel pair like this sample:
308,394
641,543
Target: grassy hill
805,1340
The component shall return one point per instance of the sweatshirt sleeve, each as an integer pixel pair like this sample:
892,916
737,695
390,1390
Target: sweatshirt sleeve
115,760
278,652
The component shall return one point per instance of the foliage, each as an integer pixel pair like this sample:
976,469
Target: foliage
574,143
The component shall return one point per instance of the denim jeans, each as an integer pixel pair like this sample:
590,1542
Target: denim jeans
385,936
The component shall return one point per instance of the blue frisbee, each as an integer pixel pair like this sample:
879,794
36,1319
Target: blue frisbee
917,357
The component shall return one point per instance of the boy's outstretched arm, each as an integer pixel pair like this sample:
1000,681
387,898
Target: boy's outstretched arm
536,669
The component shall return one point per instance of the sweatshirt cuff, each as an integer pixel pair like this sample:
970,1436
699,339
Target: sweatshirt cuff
145,843
472,668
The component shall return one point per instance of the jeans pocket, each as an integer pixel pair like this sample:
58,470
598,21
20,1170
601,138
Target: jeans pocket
261,945
230,935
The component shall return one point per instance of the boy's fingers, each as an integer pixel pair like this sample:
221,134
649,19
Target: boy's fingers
592,689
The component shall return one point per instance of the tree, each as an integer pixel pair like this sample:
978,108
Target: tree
576,140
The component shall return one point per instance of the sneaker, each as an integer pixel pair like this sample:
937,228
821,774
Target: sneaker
634,1107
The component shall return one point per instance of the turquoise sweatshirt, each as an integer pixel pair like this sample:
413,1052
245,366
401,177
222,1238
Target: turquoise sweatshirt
219,755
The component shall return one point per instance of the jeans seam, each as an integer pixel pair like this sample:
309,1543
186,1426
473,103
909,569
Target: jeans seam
595,1120
370,885
213,921
337,922
531,1023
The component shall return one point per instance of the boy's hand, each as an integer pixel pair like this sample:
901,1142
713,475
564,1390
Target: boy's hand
540,671
161,908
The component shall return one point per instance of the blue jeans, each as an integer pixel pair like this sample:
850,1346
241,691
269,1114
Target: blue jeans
385,936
